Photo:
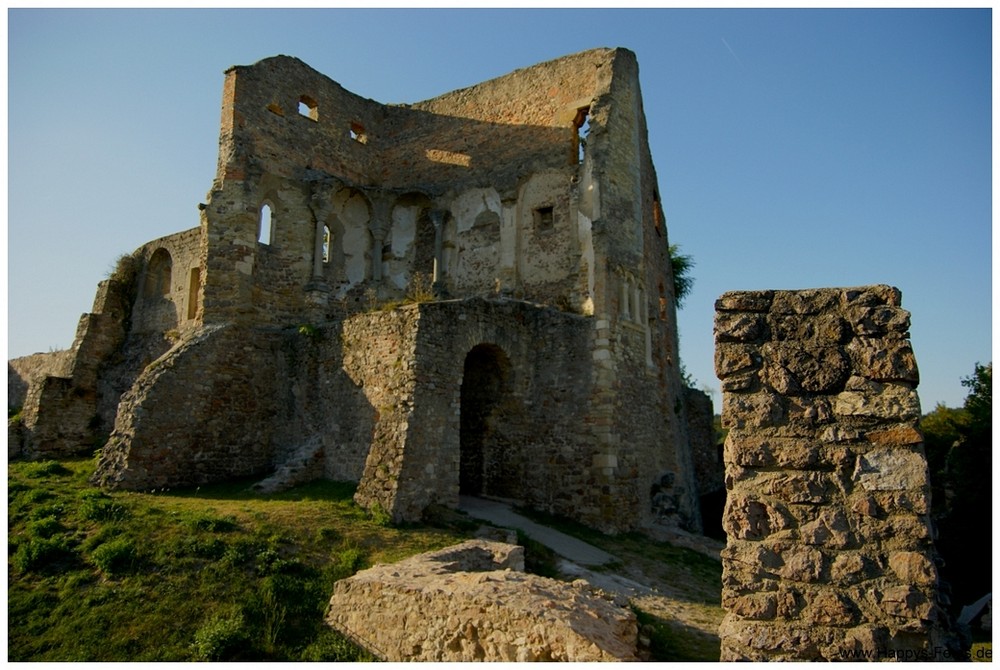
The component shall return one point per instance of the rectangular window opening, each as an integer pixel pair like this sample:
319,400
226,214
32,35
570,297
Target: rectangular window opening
582,125
309,108
358,133
544,218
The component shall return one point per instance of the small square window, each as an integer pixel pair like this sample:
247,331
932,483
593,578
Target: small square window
358,133
544,218
309,108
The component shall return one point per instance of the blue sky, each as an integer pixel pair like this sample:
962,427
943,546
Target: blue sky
794,148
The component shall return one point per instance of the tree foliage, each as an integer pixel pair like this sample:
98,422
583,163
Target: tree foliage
681,266
959,451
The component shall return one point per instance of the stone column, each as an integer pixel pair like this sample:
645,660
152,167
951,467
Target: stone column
380,226
321,211
437,219
829,553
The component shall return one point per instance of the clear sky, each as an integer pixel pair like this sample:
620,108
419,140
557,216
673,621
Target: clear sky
794,148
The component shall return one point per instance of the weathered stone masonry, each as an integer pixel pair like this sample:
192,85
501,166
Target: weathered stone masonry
544,369
830,550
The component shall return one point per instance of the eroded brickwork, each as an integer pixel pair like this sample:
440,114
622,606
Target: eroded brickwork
829,549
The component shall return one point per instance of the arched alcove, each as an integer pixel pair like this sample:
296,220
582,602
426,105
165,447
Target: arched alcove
485,388
158,274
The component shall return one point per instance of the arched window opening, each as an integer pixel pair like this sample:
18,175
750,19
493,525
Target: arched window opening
309,108
158,273
265,229
581,123
485,390
327,237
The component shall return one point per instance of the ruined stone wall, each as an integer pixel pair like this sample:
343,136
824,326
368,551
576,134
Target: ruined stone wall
255,340
206,411
23,371
168,283
280,117
61,414
705,450
534,449
497,131
829,550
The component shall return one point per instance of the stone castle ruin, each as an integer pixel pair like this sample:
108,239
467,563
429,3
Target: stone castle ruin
472,295
467,295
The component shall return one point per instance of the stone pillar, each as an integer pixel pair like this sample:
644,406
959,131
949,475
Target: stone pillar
321,210
437,219
380,226
829,552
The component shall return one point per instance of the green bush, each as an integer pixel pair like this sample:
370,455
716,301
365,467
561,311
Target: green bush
330,645
36,553
97,506
116,557
379,516
221,638
45,469
214,524
47,526
347,562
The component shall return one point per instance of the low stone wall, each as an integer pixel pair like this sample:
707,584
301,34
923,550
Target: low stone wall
22,371
829,550
473,602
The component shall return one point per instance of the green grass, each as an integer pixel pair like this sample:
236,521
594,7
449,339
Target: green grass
220,573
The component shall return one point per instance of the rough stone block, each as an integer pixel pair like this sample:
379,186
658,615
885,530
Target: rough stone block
745,301
735,358
898,403
913,567
907,602
739,326
794,369
802,564
884,360
808,301
471,603
886,469
749,519
829,608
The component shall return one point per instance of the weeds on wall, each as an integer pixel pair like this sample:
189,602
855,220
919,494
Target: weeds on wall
419,290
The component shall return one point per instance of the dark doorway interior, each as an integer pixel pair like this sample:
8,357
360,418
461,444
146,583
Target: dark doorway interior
483,385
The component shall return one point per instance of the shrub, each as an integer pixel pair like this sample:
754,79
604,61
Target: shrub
330,645
346,562
40,552
221,638
115,557
214,524
45,469
96,506
380,517
47,526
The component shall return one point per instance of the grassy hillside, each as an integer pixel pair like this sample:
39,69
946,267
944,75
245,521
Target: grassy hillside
214,574
222,573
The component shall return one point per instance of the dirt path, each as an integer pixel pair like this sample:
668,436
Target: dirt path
675,580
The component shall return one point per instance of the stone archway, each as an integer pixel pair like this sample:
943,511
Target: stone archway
485,388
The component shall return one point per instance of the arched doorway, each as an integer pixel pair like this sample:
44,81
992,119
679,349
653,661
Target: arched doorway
485,386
